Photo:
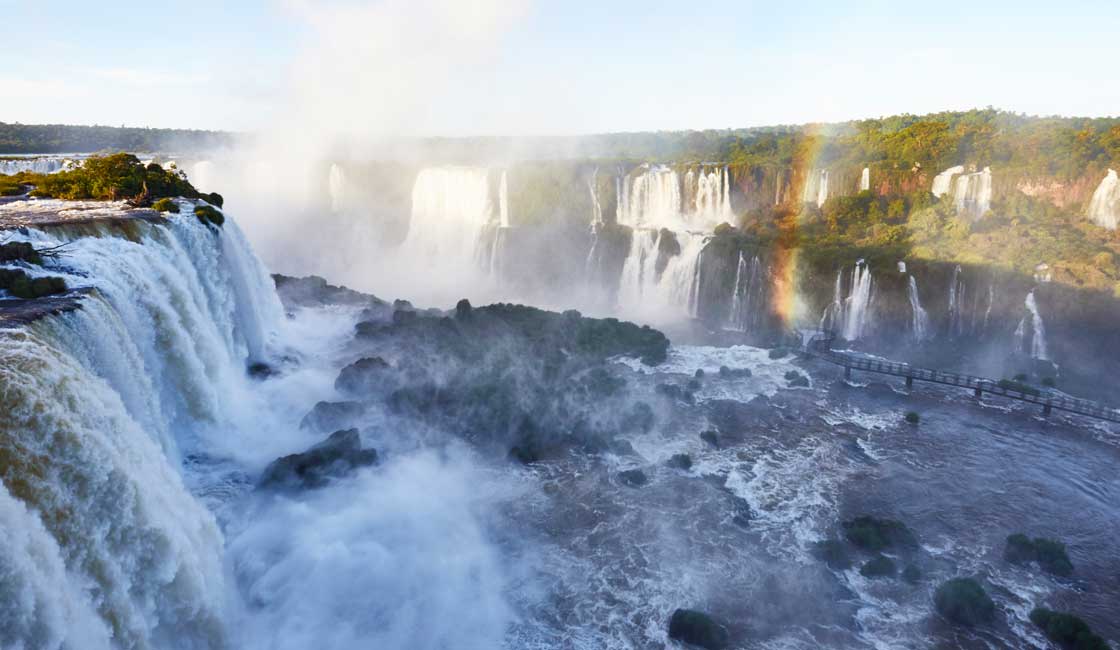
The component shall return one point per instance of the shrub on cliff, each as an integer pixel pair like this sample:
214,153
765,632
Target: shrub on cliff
209,215
21,285
1067,630
112,177
872,534
166,205
964,601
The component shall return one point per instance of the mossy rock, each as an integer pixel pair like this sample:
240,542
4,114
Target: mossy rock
964,601
872,534
20,251
208,215
834,553
21,285
1067,630
879,566
166,205
680,461
214,198
1050,554
698,629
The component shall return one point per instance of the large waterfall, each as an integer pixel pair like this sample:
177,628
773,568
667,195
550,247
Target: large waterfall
850,315
747,295
107,548
451,209
37,164
1104,208
655,196
865,180
816,187
943,182
919,317
672,292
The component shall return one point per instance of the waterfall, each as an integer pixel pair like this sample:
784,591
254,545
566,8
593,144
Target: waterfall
816,187
865,180
104,545
36,165
675,291
593,189
973,193
919,317
1037,331
503,201
1104,208
956,303
834,312
451,208
746,295
857,307
655,196
943,182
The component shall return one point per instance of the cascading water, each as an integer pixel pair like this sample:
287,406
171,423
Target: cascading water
36,165
865,180
850,316
99,402
710,194
1032,326
1104,208
919,317
816,187
674,291
655,196
747,295
973,193
956,304
451,208
943,182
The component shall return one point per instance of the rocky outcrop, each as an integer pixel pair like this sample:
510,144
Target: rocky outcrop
329,416
337,455
698,629
964,601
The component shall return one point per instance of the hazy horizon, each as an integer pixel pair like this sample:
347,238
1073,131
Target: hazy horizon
512,68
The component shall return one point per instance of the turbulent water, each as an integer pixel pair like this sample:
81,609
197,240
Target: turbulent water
133,438
35,164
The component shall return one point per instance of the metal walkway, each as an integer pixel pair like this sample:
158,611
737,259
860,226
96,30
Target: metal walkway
820,346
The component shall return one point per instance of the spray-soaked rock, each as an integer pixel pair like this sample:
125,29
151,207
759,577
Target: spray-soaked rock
698,629
365,376
329,416
335,456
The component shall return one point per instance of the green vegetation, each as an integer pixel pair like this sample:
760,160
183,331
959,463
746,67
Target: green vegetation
113,177
19,251
19,284
166,205
912,417
964,601
59,138
209,215
872,534
1050,554
1067,630
9,186
879,566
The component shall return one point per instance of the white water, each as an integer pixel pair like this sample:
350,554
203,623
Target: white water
451,208
102,544
956,304
943,182
1032,322
673,293
973,193
1104,208
919,317
655,196
336,185
850,316
747,295
36,164
865,180
816,187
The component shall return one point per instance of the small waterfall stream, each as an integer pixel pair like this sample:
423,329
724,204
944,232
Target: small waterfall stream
919,319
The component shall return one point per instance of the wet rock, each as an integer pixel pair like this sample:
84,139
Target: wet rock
639,418
680,461
366,375
19,251
778,353
964,601
328,416
912,574
711,437
1067,630
622,448
699,373
463,309
633,477
872,534
834,553
260,370
879,566
21,285
743,514
698,629
335,456
1050,554
797,379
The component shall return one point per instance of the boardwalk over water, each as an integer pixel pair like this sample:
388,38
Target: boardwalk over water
820,346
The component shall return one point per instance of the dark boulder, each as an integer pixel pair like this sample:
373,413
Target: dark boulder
872,534
778,353
633,477
734,373
879,566
964,601
19,251
711,437
680,461
1066,630
335,456
698,629
797,379
743,513
329,416
912,574
1050,554
260,370
834,553
367,375
21,285
463,309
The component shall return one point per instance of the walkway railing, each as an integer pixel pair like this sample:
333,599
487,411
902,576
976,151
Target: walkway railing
820,346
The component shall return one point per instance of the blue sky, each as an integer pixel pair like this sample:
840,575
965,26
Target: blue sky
455,67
